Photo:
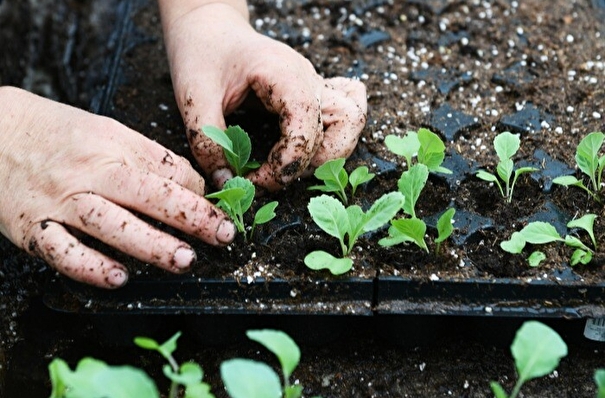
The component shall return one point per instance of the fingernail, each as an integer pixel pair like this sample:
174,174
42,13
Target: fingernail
220,176
184,257
117,277
225,232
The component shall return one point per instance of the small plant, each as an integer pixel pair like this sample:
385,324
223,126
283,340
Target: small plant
425,146
537,350
245,378
94,378
236,145
236,199
506,145
539,232
589,162
335,178
599,378
347,224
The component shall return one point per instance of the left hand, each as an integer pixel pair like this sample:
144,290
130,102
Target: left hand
216,58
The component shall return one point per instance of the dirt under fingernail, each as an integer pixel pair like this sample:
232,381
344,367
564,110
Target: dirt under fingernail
225,232
184,257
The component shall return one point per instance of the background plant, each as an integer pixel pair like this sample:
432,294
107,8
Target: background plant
537,350
236,199
506,146
336,179
590,163
347,224
424,146
236,145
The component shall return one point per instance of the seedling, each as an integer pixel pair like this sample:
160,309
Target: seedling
537,350
236,199
236,145
539,232
425,146
335,178
347,224
413,230
245,378
94,378
588,160
599,378
506,145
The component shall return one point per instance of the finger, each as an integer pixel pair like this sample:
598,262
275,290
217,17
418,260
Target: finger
197,113
301,132
51,242
168,202
344,112
167,164
120,229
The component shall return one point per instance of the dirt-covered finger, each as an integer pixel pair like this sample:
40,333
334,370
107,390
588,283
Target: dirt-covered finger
170,203
51,242
122,230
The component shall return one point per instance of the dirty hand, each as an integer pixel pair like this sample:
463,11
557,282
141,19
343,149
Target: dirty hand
216,58
63,169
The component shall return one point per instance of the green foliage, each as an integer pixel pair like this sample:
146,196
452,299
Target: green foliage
245,378
236,145
424,145
236,199
599,378
410,184
347,224
590,163
335,178
537,350
444,227
93,378
506,145
540,232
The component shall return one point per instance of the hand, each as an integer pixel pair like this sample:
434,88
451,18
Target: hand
62,169
216,58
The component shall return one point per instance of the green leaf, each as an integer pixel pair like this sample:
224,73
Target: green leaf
567,181
240,182
244,378
242,147
359,176
575,242
357,220
410,184
537,350
319,259
330,215
599,378
406,146
486,176
506,145
580,256
94,378
395,237
505,171
219,137
444,225
280,344
383,210
190,373
432,149
587,155
169,346
586,222
199,390
515,244
498,390
536,258
265,213
414,228
539,232
294,391
147,343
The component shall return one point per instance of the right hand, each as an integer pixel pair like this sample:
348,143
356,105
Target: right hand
62,168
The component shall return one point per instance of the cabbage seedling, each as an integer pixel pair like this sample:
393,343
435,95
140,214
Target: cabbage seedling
588,160
347,224
599,379
335,178
506,145
425,146
236,145
537,350
236,199
245,378
539,232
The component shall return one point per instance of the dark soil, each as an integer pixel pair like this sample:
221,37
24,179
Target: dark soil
466,70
